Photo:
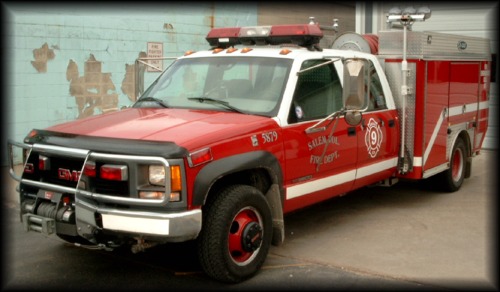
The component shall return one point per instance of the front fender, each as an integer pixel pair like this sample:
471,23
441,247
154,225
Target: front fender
222,167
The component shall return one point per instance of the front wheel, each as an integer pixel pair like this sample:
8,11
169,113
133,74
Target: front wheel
454,176
236,234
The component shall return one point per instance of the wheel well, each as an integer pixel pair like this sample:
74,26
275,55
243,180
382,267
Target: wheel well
259,169
261,179
258,178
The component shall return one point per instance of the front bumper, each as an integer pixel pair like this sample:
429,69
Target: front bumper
93,214
171,227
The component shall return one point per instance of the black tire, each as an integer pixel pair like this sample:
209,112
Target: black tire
236,234
453,178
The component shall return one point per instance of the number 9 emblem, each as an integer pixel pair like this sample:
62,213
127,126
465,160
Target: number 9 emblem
373,138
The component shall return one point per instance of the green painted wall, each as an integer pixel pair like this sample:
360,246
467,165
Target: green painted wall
67,61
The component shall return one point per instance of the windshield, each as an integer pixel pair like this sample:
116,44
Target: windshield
251,85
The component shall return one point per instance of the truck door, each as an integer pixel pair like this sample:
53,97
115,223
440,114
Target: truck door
377,136
319,165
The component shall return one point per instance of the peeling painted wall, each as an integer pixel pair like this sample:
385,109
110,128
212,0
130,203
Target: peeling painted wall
72,61
68,61
129,81
42,56
94,92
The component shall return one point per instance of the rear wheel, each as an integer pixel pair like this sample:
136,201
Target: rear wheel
453,178
236,234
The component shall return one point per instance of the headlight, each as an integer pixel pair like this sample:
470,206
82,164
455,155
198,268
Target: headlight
157,175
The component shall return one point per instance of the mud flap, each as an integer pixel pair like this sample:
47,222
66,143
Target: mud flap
274,199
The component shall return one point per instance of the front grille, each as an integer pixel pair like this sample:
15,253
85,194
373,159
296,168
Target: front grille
113,188
63,171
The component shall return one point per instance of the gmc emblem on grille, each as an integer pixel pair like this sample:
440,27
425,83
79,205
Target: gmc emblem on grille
67,174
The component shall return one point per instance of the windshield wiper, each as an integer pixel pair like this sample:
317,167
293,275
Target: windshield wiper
156,100
217,102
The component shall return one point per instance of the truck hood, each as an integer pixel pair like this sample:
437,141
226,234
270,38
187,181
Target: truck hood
186,128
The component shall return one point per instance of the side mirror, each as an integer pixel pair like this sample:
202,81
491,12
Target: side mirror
354,94
353,118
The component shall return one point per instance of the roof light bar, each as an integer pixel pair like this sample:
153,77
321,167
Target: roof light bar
298,34
254,35
223,37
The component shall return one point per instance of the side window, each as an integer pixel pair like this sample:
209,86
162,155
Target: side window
318,92
376,98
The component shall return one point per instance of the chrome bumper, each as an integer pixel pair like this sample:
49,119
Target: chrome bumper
179,226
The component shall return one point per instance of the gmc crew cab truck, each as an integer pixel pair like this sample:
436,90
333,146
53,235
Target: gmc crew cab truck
227,141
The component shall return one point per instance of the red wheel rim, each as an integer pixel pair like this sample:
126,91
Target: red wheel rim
246,218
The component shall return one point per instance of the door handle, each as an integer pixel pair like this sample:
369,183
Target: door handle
351,131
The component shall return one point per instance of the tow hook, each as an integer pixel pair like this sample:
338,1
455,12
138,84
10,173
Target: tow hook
100,246
141,245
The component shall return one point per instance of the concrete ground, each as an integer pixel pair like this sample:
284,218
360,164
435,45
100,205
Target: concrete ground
406,232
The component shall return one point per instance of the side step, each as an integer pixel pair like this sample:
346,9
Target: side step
388,182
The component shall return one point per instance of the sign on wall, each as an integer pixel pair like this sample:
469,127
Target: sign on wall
155,50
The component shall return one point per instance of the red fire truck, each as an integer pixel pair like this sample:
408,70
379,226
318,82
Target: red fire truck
227,141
